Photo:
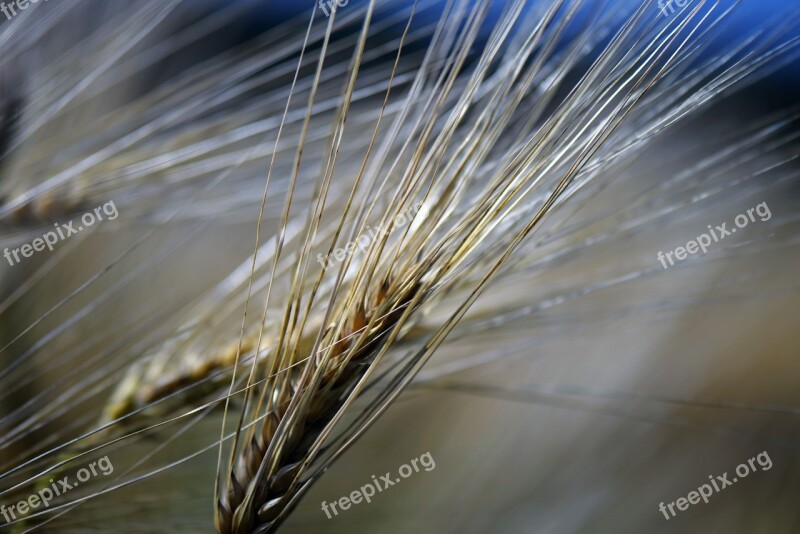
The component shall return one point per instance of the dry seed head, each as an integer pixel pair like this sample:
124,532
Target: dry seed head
147,384
260,487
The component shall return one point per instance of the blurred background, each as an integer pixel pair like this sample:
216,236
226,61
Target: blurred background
622,385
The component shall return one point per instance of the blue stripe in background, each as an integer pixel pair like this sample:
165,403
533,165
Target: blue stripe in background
747,16
779,89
